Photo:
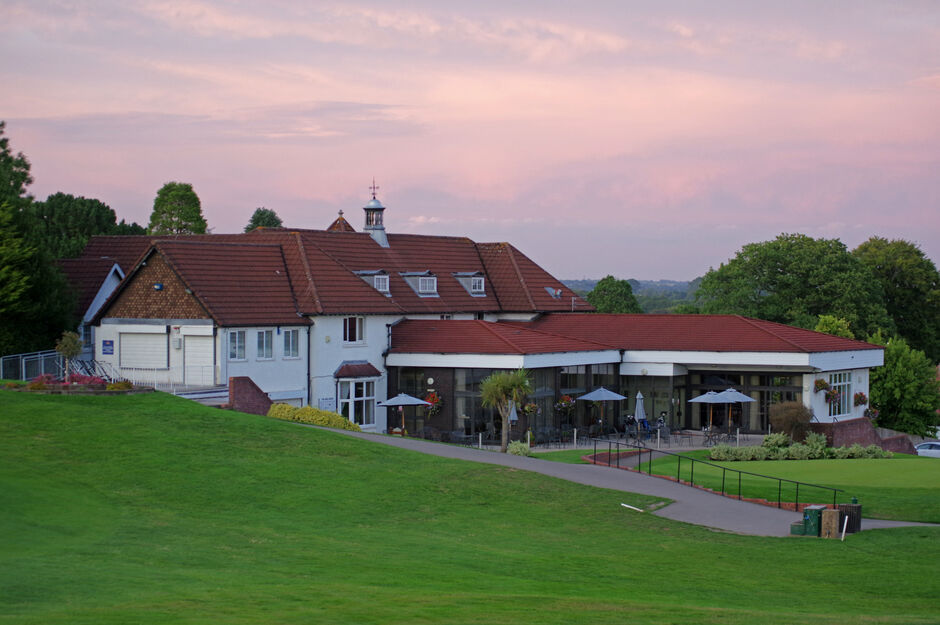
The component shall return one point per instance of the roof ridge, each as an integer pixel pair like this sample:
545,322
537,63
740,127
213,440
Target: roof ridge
564,336
486,273
753,323
515,265
311,286
489,327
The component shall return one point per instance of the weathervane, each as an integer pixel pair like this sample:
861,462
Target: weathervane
373,187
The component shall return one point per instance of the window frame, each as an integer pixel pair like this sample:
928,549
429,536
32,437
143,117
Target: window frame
265,345
364,401
477,285
427,285
291,345
236,347
357,335
380,282
841,381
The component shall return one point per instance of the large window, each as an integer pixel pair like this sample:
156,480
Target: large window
840,393
427,284
236,345
357,401
265,344
291,343
353,328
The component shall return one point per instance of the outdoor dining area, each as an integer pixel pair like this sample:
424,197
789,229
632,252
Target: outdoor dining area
635,429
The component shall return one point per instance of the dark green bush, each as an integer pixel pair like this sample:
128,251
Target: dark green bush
791,417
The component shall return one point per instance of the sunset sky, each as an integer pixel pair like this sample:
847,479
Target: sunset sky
640,139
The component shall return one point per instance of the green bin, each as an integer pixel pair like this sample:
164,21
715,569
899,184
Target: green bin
797,529
812,519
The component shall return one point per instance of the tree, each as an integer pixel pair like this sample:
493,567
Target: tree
794,279
177,210
905,391
611,295
836,326
14,174
35,301
911,285
499,389
63,223
69,346
263,218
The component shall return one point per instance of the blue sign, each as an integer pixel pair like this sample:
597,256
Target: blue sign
107,348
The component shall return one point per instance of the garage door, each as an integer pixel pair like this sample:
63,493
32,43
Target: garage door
198,360
144,351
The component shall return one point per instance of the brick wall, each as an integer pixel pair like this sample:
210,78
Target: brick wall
140,300
245,396
861,431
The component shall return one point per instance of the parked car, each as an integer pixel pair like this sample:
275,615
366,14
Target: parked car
928,449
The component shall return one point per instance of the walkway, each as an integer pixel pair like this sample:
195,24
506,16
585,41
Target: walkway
690,505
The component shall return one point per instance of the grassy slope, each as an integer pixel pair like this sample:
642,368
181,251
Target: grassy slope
150,509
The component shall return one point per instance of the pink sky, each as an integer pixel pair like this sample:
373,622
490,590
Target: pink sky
644,139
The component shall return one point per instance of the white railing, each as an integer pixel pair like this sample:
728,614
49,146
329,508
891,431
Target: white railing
172,380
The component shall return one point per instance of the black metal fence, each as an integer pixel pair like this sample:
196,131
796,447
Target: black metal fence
734,487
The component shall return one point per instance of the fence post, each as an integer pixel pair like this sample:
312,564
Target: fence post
796,503
779,492
575,438
594,456
737,438
739,486
723,472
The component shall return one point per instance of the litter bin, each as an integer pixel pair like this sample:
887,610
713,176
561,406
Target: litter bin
852,511
797,529
812,519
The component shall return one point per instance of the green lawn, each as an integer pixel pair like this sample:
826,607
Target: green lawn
151,509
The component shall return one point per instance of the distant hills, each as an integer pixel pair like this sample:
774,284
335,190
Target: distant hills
654,296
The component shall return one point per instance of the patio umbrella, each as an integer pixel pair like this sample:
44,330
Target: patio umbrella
640,411
400,401
710,398
733,396
602,394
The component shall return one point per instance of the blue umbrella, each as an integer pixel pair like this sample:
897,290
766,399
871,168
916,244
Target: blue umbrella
399,401
602,394
711,397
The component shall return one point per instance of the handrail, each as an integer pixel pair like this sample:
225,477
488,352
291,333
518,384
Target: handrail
724,470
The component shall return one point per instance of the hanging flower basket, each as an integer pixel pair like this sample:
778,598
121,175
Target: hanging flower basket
821,385
860,399
436,404
833,396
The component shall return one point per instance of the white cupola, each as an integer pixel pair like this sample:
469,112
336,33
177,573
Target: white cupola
375,218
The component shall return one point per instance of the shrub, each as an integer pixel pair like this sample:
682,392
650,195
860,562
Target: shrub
122,385
776,440
312,416
14,384
791,417
777,453
721,452
519,448
798,451
87,380
816,443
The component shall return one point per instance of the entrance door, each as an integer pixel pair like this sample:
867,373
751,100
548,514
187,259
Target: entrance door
198,361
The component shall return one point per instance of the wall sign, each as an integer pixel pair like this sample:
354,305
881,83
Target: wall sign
107,347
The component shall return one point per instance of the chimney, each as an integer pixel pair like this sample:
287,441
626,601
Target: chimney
374,218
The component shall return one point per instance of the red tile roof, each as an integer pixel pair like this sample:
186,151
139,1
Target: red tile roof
238,284
358,369
322,266
480,337
85,277
340,225
711,333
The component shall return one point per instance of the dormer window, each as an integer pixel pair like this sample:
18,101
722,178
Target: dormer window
423,283
380,282
473,281
427,285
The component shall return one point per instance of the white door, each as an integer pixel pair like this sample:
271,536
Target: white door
198,360
144,351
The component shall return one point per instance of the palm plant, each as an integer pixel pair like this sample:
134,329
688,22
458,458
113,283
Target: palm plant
499,390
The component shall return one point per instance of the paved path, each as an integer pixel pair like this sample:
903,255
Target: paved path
691,505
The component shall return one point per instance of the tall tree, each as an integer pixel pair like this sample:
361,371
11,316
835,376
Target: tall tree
611,295
501,388
14,174
177,210
63,223
905,390
911,285
794,279
263,218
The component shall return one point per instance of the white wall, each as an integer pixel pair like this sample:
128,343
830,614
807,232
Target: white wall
283,378
816,402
